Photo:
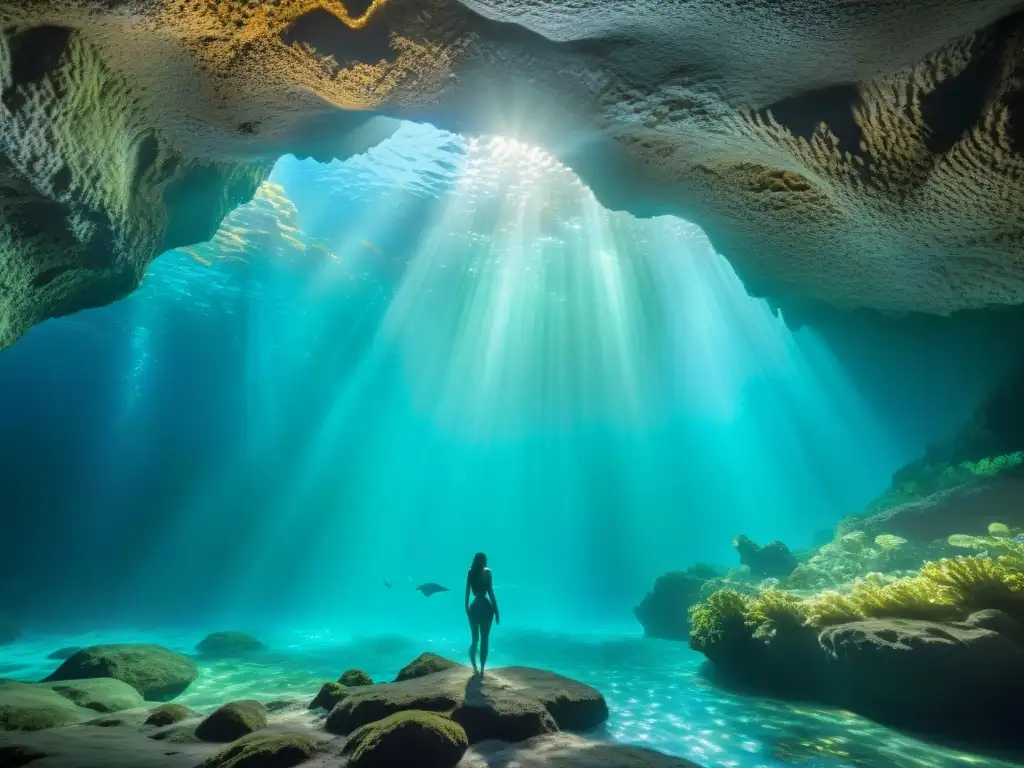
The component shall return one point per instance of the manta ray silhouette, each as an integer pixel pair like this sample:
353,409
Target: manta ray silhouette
430,588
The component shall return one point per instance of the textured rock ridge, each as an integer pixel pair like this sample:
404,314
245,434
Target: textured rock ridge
863,154
89,192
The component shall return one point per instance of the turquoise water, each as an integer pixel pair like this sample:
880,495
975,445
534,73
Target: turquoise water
655,692
382,366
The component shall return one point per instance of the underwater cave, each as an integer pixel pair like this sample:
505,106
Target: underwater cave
478,383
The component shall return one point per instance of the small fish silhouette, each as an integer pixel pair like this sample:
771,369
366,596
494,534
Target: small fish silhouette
387,583
430,588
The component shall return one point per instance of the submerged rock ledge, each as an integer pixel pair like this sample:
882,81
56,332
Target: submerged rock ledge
863,154
514,716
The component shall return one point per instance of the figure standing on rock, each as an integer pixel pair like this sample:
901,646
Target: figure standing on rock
482,610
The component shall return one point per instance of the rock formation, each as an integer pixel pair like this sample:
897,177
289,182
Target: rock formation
772,561
510,704
157,673
664,612
424,664
513,717
863,154
436,740
232,721
64,653
940,652
227,644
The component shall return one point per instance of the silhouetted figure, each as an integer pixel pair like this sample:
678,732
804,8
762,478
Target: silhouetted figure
482,610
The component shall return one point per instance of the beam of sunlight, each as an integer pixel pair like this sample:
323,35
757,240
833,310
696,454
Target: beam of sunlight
494,362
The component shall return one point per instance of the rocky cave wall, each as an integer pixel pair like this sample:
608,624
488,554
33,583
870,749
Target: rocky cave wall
868,154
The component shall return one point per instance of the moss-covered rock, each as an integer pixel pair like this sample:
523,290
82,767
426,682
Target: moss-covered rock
168,714
229,644
64,653
436,741
942,650
354,677
425,664
29,707
100,694
155,672
510,704
282,749
329,695
233,721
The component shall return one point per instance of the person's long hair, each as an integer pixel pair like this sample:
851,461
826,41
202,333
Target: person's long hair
476,570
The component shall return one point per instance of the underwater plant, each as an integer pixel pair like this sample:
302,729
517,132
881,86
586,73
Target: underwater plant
773,609
875,598
712,618
887,542
853,556
977,583
830,607
999,530
1004,543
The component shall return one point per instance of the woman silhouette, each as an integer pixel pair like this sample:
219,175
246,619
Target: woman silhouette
482,610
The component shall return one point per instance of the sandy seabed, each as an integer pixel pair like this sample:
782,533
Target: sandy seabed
656,694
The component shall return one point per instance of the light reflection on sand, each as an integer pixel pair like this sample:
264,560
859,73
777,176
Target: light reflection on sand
654,690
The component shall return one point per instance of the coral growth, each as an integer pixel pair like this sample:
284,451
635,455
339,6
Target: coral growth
855,555
713,618
977,583
774,609
947,589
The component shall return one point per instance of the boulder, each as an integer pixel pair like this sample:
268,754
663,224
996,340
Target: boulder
64,653
233,721
955,678
664,612
155,672
435,740
29,707
511,704
100,694
9,632
229,644
282,749
564,750
354,677
772,561
329,695
425,664
168,714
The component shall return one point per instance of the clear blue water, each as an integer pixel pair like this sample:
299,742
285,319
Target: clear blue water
655,692
382,366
